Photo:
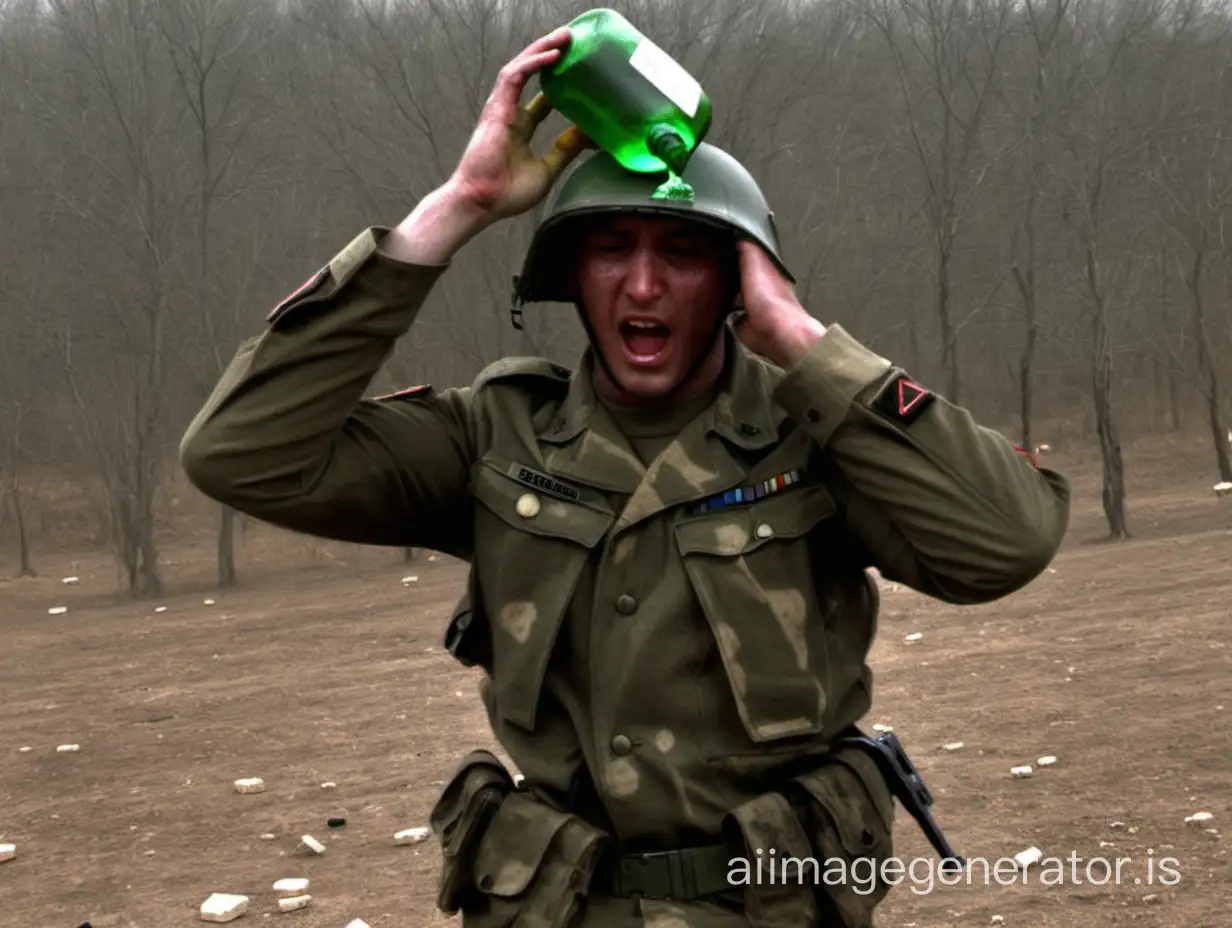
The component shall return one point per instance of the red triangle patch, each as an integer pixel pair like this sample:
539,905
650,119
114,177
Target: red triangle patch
910,395
902,401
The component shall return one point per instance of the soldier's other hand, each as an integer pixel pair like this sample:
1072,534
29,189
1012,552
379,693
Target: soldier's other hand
774,324
499,175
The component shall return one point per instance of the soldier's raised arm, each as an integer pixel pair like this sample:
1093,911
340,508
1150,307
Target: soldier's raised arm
941,503
287,435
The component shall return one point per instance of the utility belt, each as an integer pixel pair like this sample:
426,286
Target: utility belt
807,852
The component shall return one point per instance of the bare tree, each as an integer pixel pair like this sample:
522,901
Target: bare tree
946,61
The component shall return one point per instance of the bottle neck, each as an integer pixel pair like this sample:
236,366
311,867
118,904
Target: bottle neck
666,144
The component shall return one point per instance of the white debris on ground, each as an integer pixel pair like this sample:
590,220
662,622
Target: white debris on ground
952,746
57,610
7,852
250,785
70,580
24,749
329,784
1031,855
313,844
997,920
1047,761
882,728
269,836
358,923
411,835
291,886
1223,488
406,581
1022,772
160,608
223,907
208,602
68,749
1198,818
291,903
914,636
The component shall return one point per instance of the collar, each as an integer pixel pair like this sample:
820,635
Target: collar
586,445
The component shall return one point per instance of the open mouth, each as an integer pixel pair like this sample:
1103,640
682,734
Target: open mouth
644,340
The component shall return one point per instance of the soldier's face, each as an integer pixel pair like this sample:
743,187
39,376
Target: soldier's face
651,288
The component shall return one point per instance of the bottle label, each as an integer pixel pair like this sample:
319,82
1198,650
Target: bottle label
667,76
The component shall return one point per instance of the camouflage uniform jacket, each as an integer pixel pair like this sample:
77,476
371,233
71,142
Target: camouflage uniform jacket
684,631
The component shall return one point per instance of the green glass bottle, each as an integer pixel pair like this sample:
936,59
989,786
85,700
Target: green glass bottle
630,97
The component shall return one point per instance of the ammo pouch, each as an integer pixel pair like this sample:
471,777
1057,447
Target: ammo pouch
831,832
509,859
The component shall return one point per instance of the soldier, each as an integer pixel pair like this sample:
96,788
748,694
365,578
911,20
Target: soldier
668,546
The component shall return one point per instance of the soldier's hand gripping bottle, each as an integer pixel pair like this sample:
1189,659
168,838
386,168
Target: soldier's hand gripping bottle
629,97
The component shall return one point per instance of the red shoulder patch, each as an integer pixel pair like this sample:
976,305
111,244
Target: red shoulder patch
406,391
308,286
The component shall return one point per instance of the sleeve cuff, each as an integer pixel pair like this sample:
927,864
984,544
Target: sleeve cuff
362,253
820,388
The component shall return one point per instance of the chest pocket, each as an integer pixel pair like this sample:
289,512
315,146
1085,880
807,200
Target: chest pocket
752,572
529,552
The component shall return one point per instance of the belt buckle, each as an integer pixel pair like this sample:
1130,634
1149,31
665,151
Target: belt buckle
663,875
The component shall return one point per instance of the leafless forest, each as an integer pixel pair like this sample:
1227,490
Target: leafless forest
1024,203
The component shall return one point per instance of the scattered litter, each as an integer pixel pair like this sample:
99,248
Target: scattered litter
1031,855
914,636
1106,844
998,920
336,822
313,844
24,749
160,608
1116,824
208,602
1021,772
882,728
291,886
250,785
269,836
431,559
70,580
329,784
7,852
1150,897
68,749
412,835
952,746
1223,488
57,610
291,903
409,580
359,922
223,907
1046,761
1198,818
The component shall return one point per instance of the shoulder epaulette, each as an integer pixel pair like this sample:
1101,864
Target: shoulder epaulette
515,367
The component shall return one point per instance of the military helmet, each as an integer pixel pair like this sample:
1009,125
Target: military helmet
725,195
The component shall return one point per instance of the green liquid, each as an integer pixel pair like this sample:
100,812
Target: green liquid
629,97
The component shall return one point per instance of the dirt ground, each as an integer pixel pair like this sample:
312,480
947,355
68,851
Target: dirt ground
325,667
